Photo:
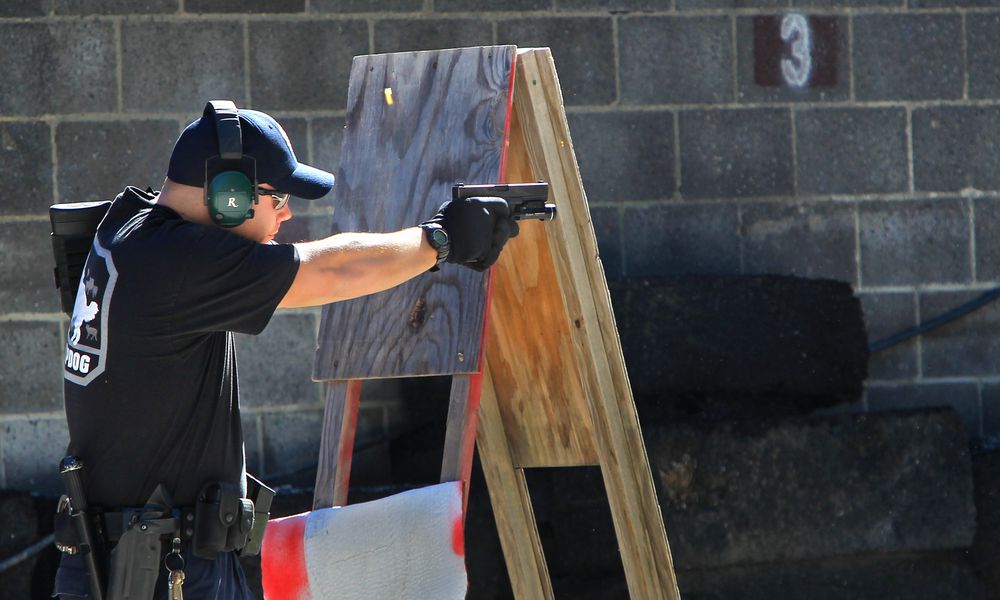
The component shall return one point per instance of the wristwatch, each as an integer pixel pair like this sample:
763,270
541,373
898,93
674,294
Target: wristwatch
438,238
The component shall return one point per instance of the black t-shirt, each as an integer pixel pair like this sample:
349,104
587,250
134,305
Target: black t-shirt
150,368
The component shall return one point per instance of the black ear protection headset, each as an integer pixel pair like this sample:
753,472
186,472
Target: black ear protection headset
230,176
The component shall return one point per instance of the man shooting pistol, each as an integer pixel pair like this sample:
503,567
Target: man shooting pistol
526,200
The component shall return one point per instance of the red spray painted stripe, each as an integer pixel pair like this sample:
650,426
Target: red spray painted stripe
283,560
458,530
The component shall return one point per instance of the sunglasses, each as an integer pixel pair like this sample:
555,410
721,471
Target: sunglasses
280,199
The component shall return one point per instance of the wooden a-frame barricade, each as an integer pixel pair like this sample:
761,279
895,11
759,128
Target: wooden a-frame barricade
538,378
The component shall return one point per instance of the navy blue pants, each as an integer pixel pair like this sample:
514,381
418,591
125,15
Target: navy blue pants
219,579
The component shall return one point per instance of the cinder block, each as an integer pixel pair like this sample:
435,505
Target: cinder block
399,35
251,424
842,3
30,366
291,441
749,91
487,5
607,228
614,6
872,483
822,236
98,159
967,346
371,423
25,518
915,576
887,314
987,220
695,64
907,57
114,7
851,151
625,155
327,138
32,450
281,77
953,148
991,413
57,67
915,243
27,268
702,4
982,31
582,48
770,491
26,156
739,346
962,397
734,153
665,240
24,8
349,6
211,59
244,6
951,3
275,367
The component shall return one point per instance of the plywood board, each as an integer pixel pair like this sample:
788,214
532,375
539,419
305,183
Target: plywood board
531,352
416,123
593,345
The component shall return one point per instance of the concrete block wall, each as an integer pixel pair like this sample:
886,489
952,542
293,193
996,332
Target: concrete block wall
887,179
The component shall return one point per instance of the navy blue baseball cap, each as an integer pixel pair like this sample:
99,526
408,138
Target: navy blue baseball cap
264,140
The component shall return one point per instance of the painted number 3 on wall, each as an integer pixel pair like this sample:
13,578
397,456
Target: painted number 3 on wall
795,51
795,30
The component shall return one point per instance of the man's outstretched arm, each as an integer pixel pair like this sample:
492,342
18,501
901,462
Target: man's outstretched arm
349,265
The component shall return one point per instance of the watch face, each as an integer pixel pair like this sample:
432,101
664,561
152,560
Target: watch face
440,237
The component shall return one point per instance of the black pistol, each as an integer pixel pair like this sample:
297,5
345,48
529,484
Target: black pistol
90,548
526,200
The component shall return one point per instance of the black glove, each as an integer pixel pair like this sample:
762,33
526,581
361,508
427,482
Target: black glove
478,229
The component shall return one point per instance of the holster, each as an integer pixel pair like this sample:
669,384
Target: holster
135,559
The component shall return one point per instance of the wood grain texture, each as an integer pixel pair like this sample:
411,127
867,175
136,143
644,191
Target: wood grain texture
336,447
596,348
445,125
532,358
515,519
460,431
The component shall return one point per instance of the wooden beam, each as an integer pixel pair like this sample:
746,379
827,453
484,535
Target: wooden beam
515,518
336,446
460,435
625,467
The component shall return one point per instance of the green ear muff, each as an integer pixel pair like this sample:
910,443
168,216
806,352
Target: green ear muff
231,176
230,198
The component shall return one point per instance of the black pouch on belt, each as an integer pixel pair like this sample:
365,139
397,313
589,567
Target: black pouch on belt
262,497
222,520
